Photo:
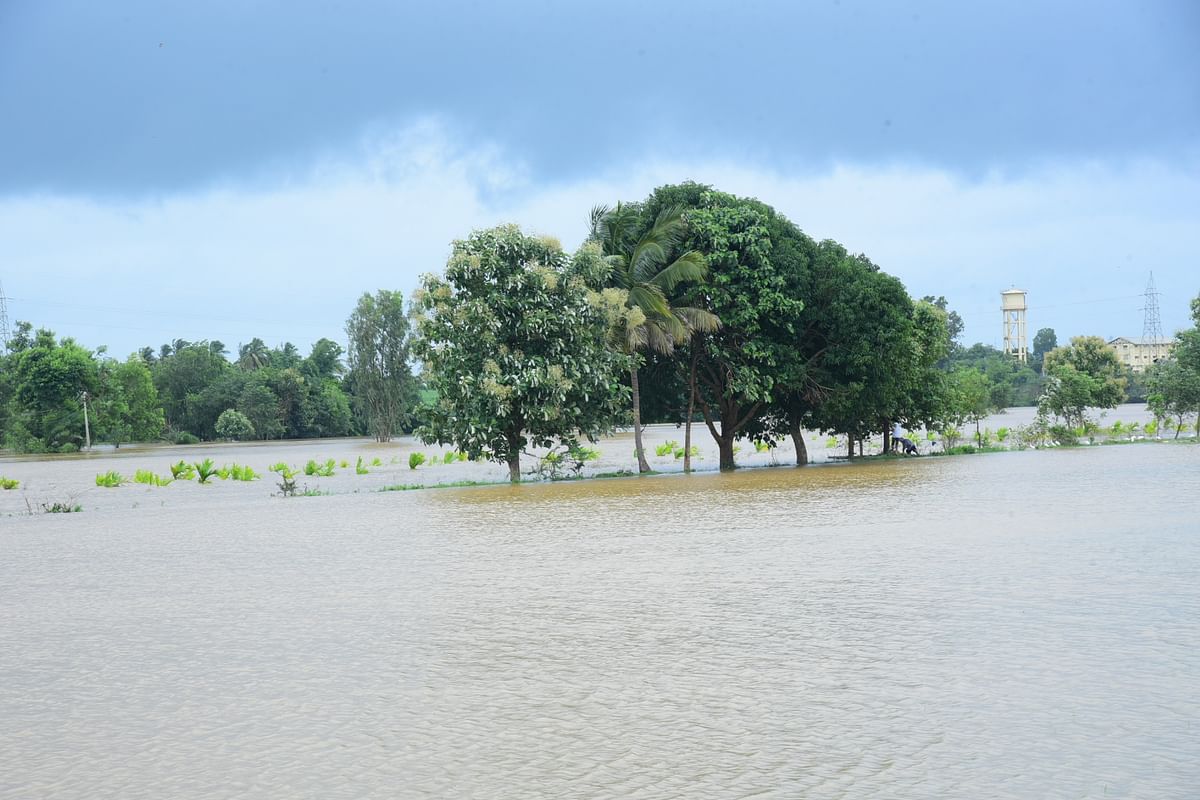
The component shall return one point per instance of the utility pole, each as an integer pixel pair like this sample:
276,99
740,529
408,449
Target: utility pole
87,431
4,334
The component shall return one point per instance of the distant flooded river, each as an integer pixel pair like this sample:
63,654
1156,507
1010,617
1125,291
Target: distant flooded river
1021,625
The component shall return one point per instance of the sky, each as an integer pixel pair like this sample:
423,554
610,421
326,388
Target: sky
227,170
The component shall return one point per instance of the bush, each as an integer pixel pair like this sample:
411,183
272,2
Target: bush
325,470
233,424
666,448
359,469
9,483
415,460
1150,428
1061,434
68,447
680,454
183,437
61,508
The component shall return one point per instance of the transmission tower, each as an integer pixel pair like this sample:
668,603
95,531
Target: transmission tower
1152,335
4,334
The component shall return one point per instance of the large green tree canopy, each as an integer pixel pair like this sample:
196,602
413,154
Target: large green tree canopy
516,350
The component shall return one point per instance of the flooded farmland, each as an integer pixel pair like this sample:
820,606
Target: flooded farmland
1021,624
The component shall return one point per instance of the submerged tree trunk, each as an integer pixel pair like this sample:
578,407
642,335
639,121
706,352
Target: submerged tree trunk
725,443
798,440
887,438
691,412
643,466
849,446
514,467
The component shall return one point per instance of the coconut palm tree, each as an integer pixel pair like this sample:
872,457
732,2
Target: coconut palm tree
254,355
642,267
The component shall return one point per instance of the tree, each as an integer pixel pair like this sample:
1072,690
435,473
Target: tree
515,350
378,333
127,405
969,399
755,260
1085,357
1044,341
48,378
642,267
954,323
260,405
233,424
181,377
1174,393
254,355
324,361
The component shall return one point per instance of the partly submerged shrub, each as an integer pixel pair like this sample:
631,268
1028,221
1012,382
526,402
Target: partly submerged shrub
415,460
204,470
61,508
666,448
325,470
110,479
183,471
9,483
150,479
183,437
359,469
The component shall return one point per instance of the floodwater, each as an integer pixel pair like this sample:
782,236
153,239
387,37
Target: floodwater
1016,625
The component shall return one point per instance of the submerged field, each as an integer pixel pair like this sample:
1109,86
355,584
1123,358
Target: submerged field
363,466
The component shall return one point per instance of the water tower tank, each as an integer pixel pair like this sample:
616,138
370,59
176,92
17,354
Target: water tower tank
1012,305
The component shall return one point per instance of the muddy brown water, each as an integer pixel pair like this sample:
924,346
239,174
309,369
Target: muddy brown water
1010,625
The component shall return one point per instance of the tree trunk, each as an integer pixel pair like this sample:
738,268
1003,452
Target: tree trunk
643,466
726,445
887,438
978,435
849,446
514,466
860,448
691,412
801,449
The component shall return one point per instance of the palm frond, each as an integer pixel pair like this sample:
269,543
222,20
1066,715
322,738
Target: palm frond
649,299
697,320
657,338
689,267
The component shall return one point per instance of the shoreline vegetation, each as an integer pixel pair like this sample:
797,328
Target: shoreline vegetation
692,306
303,480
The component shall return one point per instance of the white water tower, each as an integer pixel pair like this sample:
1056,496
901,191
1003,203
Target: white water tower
1012,303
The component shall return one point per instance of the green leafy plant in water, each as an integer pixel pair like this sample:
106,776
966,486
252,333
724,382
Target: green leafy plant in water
224,471
324,470
1001,434
449,456
9,483
284,470
761,447
415,460
376,462
243,473
150,479
110,479
183,471
666,448
344,464
679,453
1150,428
61,508
831,443
359,468
1117,428
204,470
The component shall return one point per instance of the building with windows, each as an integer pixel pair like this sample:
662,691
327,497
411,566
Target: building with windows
1137,352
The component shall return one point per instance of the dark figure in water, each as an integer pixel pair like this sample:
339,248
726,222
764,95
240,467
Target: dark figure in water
910,449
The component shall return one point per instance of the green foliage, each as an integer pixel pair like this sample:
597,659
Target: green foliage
679,452
237,472
9,483
1001,434
449,457
147,477
204,470
761,446
233,424
320,470
515,350
1085,374
359,468
110,479
43,380
61,508
378,462
666,448
183,471
415,460
1151,427
831,443
183,437
127,405
378,332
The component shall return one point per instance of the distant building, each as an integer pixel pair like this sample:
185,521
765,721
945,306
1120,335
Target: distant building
1137,352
